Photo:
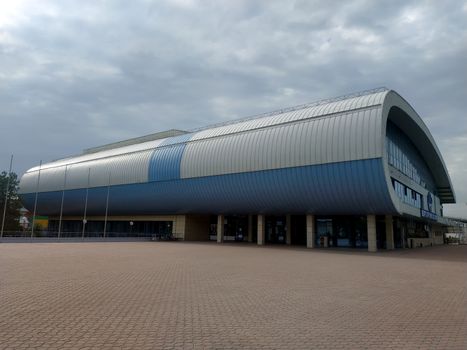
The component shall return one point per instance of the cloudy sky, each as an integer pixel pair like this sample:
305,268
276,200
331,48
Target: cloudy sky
77,74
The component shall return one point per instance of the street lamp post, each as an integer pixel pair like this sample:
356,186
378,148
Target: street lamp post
86,204
6,195
61,204
107,206
84,227
35,199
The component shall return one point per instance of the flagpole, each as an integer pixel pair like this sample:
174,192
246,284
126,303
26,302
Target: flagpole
107,205
7,190
86,204
61,205
35,200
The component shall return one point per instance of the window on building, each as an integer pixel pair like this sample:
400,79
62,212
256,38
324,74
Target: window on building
406,194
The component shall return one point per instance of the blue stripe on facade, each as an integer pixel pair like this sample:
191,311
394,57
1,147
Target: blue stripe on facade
354,187
165,160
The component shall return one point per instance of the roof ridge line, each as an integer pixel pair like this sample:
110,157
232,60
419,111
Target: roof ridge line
293,108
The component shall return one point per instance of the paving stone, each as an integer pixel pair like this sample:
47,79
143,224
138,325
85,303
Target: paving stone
180,295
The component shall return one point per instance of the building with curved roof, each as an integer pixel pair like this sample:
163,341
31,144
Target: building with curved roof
361,170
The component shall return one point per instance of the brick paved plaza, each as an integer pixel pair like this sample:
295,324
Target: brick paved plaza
166,295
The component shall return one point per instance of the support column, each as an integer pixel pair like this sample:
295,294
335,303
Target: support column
261,229
220,228
371,230
310,231
288,228
250,228
179,227
389,233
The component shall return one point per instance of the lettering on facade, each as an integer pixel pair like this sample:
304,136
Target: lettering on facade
428,215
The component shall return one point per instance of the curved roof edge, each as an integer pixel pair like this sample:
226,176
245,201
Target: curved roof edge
401,113
322,108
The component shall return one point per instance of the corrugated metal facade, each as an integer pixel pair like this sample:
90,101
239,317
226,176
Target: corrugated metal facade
122,169
166,159
337,188
339,137
320,158
125,165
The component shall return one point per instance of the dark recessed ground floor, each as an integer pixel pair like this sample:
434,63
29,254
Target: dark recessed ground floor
370,232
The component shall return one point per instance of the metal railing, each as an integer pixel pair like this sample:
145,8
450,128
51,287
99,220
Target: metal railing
87,235
292,108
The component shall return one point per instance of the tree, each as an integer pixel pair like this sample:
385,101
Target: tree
13,203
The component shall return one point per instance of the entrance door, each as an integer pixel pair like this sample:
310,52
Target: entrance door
298,228
276,229
236,228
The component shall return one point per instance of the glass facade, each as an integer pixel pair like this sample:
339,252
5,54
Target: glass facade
342,231
403,155
276,230
74,228
235,228
408,195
